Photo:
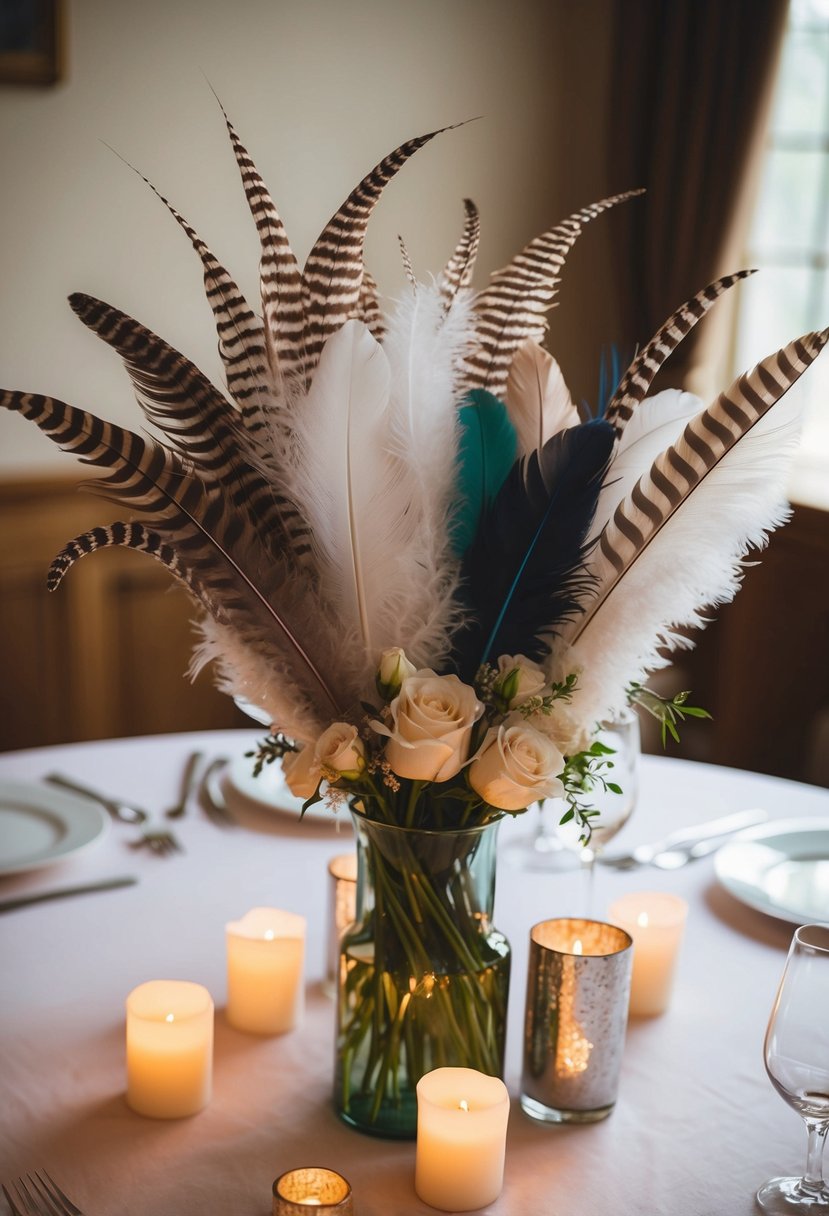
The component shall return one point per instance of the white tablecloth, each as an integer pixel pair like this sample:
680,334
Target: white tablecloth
697,1127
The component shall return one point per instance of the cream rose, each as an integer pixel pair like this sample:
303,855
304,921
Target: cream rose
302,772
340,750
431,725
519,678
393,670
517,765
565,730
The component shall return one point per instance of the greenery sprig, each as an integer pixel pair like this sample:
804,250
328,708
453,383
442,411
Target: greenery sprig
667,710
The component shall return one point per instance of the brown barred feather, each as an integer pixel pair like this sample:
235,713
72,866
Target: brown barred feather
458,271
408,269
682,468
512,307
638,378
368,307
281,285
334,269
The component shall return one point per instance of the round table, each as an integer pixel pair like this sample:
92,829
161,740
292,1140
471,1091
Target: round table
697,1127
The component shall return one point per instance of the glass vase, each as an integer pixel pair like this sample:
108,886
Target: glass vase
424,975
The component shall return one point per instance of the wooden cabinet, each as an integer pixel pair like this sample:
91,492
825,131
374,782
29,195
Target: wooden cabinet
106,654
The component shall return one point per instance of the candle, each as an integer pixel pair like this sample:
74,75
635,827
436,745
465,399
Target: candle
461,1136
342,910
324,1190
656,922
169,1048
576,1013
265,951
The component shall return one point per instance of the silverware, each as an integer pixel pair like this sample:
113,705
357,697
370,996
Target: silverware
212,794
124,812
39,1196
188,782
680,847
158,841
105,884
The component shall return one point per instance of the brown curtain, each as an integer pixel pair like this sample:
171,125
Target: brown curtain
689,99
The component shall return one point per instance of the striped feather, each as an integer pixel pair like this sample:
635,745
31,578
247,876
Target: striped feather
512,307
334,269
640,375
368,307
408,269
131,535
281,285
457,273
675,545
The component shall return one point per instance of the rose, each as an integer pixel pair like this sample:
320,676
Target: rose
393,670
302,772
431,726
516,765
566,731
519,678
339,750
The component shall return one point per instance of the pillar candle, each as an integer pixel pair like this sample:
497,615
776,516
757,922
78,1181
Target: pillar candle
656,922
265,953
461,1137
169,1048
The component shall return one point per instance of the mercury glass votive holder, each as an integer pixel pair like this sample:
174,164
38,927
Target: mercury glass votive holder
298,1192
342,906
576,1014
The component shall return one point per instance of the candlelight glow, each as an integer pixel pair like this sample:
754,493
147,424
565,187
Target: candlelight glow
269,936
463,1104
642,920
170,1018
577,946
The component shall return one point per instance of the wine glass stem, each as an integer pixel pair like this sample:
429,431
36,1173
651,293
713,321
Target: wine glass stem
813,1176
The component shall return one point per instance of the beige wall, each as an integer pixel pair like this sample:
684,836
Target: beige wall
319,90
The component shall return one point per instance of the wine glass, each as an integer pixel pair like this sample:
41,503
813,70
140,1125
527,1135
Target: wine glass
797,1062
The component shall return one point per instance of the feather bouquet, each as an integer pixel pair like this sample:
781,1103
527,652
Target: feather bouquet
430,571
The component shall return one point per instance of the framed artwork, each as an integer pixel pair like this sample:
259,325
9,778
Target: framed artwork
31,42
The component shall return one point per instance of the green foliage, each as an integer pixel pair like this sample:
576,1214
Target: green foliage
667,711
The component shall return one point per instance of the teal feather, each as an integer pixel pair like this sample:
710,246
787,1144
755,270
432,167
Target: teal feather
487,450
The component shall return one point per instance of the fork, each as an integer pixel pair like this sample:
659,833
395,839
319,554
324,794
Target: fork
41,1196
188,782
158,841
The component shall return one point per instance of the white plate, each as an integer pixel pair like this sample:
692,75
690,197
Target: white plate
270,790
780,868
39,825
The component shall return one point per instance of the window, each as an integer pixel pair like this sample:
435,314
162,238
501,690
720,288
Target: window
789,239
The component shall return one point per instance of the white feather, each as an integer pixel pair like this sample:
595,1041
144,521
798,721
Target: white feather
537,397
693,563
656,423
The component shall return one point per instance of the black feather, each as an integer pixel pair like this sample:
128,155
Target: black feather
523,575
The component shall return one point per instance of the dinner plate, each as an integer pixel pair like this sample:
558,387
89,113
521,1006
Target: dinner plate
270,790
780,868
40,825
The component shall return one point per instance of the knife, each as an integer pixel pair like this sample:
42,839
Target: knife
107,884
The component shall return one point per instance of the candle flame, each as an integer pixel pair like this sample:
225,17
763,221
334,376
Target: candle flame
642,920
463,1105
170,1017
269,935
577,946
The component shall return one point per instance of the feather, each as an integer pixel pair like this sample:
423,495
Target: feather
457,274
131,536
513,306
537,398
486,453
282,290
368,307
675,545
334,268
407,264
425,347
639,376
349,487
522,575
656,424
207,528
240,332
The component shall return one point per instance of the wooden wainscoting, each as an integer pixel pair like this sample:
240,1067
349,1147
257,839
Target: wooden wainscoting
106,654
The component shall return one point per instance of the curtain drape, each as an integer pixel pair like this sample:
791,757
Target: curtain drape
691,85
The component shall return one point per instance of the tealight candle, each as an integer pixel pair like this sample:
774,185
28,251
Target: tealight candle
323,1190
265,952
656,922
461,1138
169,1048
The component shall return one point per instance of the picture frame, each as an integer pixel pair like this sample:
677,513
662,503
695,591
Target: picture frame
31,42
